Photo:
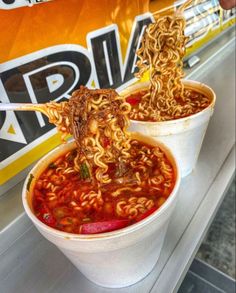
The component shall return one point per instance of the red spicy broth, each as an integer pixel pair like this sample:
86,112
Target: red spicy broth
67,197
196,101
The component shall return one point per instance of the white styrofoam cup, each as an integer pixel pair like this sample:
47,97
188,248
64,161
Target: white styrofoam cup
183,136
113,259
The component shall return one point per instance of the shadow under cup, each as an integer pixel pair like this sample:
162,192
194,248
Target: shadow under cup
114,259
183,136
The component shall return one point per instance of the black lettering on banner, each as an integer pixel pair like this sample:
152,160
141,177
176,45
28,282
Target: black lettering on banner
11,4
8,1
65,61
106,57
135,43
105,48
29,83
37,1
2,118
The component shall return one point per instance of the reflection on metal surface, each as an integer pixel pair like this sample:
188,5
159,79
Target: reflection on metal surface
192,61
205,20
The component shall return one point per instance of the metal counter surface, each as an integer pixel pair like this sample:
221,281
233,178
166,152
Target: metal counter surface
32,264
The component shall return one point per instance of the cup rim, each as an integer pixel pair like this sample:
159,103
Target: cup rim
106,235
178,120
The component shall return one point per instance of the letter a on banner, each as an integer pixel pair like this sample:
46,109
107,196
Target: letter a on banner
11,130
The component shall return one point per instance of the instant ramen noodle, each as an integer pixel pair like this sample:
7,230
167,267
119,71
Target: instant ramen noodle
161,53
110,180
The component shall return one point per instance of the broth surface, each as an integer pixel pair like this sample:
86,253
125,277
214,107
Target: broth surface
68,197
194,102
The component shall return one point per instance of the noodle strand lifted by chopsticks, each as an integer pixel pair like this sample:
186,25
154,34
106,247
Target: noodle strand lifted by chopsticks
161,52
98,121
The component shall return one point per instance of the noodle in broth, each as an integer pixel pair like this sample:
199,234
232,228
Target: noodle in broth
110,180
161,53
